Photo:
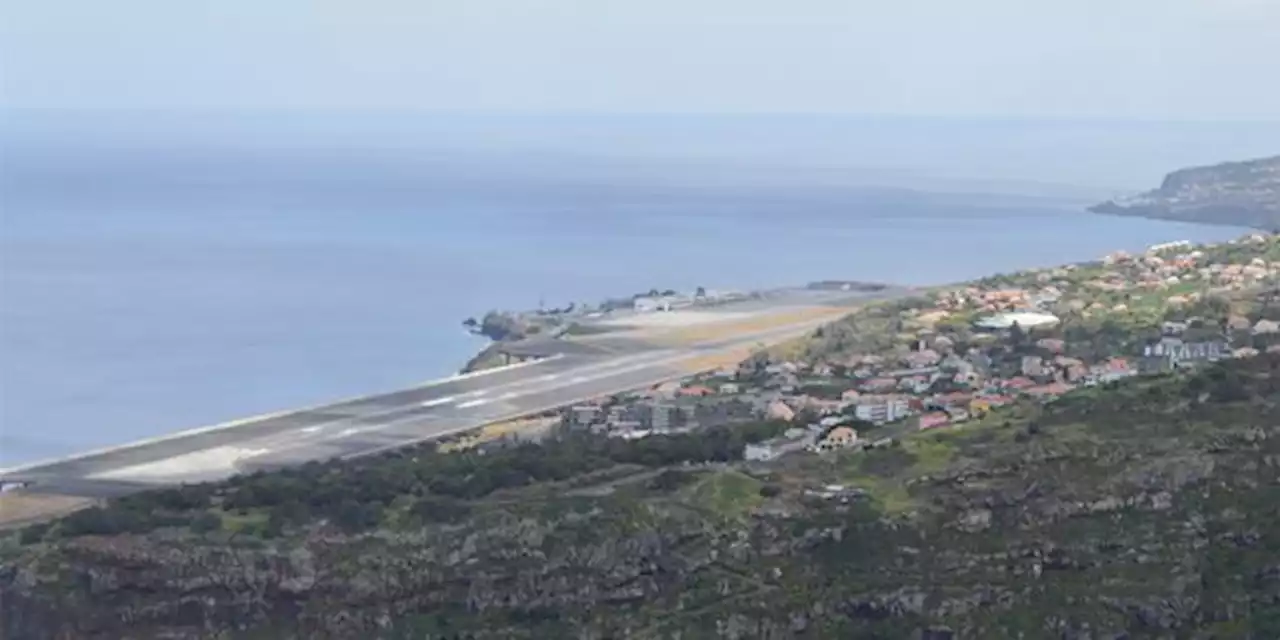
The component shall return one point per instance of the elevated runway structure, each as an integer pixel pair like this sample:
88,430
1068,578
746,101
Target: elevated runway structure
564,372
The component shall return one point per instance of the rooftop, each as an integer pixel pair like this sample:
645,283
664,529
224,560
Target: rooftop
1025,319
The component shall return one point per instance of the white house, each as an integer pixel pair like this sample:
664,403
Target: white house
882,410
1166,246
1024,319
759,452
647,305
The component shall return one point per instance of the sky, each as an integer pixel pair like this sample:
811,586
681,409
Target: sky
1148,59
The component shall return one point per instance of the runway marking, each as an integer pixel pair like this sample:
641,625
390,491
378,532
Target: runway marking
438,401
312,429
617,370
608,370
348,432
584,373
485,372
518,394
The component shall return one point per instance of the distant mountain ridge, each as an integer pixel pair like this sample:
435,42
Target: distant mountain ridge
1245,193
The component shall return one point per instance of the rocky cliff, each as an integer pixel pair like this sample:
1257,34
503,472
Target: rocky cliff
1233,193
1145,510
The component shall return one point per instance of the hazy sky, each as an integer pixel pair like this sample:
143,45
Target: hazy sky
1202,59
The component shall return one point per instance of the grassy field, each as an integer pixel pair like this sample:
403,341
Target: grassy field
729,494
18,508
497,430
715,361
744,326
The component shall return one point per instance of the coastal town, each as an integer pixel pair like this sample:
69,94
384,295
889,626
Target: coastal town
952,460
953,355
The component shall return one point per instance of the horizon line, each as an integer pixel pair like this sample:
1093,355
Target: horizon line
607,113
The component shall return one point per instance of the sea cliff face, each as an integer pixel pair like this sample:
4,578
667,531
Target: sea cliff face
1233,193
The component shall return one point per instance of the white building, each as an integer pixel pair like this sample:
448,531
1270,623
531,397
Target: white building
882,411
776,447
647,305
1166,246
759,452
1024,319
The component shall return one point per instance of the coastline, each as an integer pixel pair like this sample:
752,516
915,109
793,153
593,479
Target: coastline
837,316
1234,216
261,354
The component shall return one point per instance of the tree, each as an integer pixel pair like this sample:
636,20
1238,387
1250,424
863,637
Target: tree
206,522
34,533
1017,335
670,480
354,517
700,293
439,509
500,326
754,366
291,512
1215,306
807,415
101,521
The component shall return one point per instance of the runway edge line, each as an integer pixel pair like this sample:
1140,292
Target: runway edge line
221,426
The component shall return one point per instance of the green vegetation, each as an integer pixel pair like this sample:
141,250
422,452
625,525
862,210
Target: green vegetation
497,326
871,329
429,486
1146,508
728,494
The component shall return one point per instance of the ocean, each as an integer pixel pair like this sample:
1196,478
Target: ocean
166,272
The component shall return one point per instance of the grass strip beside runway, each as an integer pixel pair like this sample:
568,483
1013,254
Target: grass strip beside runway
744,327
20,508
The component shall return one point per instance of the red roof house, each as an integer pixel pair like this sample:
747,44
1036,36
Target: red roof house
934,420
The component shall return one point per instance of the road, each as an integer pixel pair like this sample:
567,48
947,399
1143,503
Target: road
375,423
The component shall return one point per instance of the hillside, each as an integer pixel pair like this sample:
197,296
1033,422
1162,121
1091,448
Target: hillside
1232,193
1146,508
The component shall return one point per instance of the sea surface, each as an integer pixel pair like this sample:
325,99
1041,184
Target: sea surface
159,273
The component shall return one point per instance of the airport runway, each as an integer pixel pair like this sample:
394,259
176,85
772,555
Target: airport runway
375,423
